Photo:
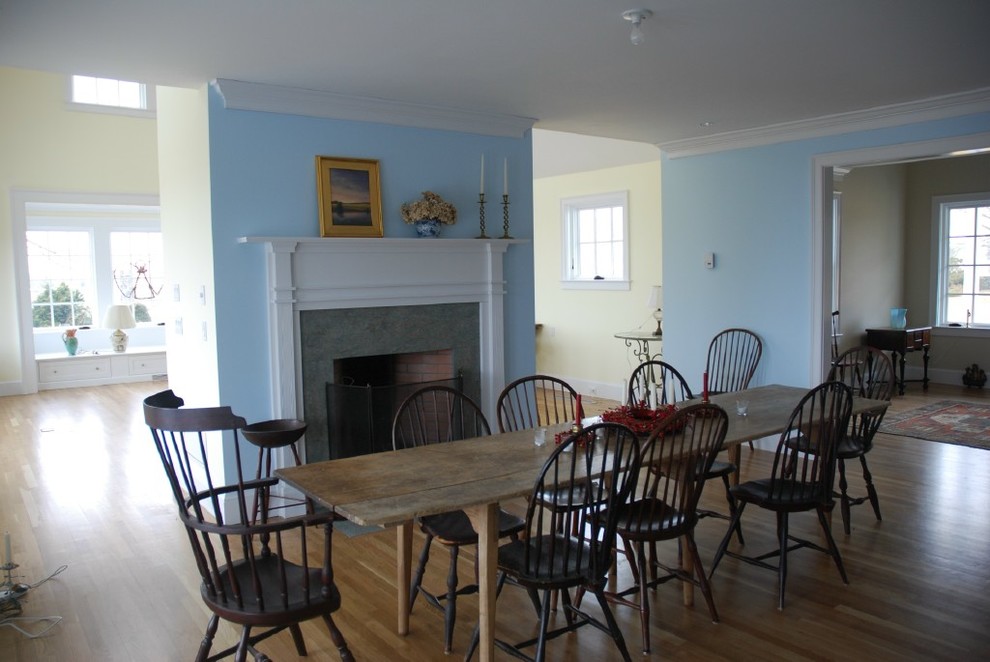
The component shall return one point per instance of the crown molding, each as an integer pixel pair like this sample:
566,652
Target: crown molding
241,95
933,108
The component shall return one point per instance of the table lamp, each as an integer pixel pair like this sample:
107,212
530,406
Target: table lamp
656,304
118,318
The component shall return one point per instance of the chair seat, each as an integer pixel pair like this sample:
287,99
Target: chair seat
720,468
270,610
567,498
851,447
789,495
652,519
454,527
570,566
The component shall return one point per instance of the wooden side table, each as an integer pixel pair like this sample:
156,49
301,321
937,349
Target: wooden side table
902,341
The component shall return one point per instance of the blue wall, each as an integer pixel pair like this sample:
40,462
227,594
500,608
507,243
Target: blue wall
263,179
753,209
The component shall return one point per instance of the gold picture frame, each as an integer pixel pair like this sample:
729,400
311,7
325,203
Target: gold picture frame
350,197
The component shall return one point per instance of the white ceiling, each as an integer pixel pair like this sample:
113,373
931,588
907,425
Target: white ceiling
568,64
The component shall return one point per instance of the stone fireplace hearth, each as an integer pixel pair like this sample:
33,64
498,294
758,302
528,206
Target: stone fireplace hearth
322,289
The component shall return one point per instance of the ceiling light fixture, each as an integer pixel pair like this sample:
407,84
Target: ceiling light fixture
636,17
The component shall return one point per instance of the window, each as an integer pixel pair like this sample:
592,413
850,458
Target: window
595,252
82,258
963,279
110,94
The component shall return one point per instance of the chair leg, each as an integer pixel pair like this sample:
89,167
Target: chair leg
644,597
240,655
727,537
297,639
338,639
450,608
844,497
207,643
699,572
833,550
541,641
782,566
613,626
417,579
871,491
732,508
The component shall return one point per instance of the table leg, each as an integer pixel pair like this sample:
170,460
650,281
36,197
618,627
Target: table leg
900,384
484,518
925,378
687,565
403,562
735,455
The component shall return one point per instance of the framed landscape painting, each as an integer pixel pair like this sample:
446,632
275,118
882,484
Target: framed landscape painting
350,197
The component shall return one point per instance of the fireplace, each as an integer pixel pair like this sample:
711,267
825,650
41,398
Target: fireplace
391,296
366,391
330,337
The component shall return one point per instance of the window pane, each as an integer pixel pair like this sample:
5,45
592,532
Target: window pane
961,250
961,222
981,310
603,256
586,261
61,281
138,273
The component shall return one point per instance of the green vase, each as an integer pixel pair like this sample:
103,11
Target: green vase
71,344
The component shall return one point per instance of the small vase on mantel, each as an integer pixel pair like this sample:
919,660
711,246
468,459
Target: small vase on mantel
428,228
70,341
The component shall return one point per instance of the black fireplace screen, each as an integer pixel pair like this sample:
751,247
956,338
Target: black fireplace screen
359,417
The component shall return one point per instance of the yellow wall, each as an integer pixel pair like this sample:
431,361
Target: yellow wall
44,146
577,342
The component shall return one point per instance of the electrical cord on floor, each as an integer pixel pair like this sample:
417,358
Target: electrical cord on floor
10,608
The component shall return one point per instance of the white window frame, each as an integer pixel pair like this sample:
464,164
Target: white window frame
569,208
19,200
940,231
148,92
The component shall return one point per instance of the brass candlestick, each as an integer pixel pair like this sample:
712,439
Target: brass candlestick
505,216
481,216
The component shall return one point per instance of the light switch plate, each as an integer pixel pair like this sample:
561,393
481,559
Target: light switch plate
709,260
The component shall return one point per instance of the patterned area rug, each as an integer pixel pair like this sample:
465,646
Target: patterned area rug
947,421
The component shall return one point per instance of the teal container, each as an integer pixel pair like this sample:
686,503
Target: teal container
898,318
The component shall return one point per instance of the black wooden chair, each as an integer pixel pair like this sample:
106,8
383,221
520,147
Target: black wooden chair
535,401
657,383
870,374
242,555
433,415
604,460
664,505
733,356
800,481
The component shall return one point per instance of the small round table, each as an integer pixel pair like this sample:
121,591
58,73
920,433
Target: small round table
639,342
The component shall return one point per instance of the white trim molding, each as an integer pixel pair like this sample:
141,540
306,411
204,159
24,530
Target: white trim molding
242,95
922,110
312,273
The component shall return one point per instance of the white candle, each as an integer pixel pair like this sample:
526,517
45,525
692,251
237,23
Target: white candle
6,544
482,191
505,176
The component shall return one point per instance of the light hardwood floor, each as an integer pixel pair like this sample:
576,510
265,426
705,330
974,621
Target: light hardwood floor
80,485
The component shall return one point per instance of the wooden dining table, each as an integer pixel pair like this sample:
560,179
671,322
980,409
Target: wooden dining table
475,475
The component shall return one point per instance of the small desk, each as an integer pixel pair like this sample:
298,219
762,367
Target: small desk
902,341
642,340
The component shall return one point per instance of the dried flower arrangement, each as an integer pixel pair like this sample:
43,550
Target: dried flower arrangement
431,207
638,417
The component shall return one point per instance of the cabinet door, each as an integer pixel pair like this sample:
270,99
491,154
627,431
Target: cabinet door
74,369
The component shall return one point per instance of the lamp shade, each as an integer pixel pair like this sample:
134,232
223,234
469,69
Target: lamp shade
118,317
656,298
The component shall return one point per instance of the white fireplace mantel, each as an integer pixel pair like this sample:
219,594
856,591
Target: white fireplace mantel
312,273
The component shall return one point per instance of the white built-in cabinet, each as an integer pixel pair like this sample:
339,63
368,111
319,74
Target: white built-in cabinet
139,364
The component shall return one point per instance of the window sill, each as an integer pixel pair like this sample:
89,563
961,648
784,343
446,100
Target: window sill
599,285
961,332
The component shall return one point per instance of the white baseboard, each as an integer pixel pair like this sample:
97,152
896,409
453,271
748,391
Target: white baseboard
614,391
